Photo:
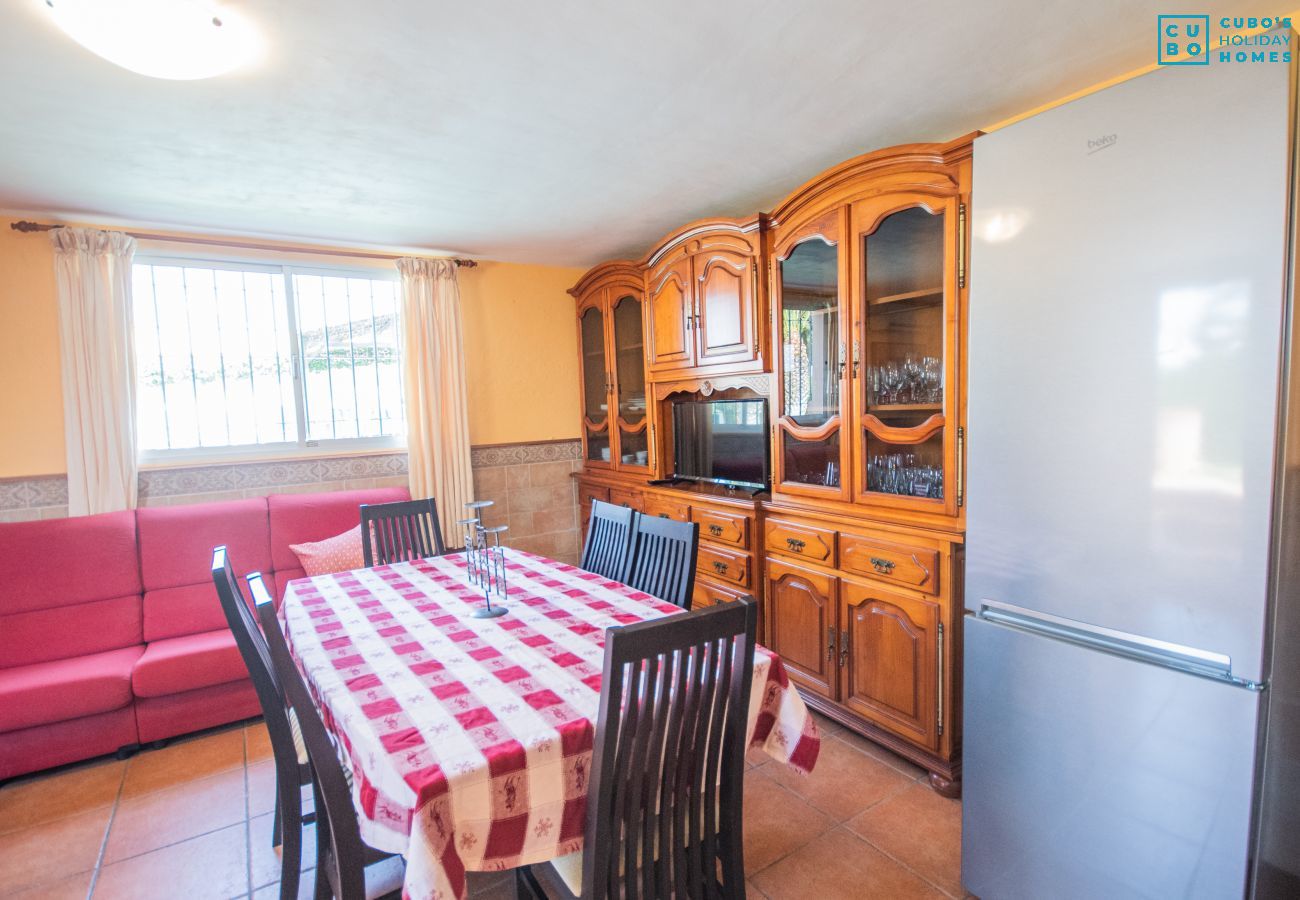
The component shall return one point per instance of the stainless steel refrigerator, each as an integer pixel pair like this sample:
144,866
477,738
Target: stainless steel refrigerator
1130,711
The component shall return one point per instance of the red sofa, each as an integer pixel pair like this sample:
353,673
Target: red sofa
111,634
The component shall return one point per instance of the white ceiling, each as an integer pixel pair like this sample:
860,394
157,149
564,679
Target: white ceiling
564,132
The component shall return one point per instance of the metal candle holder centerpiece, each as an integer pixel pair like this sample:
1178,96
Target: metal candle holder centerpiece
485,559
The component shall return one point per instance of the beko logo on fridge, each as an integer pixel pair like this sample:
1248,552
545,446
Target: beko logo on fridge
1185,40
1101,143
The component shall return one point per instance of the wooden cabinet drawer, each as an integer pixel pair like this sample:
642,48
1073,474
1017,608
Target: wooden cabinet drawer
800,540
589,492
667,508
903,564
723,565
620,497
707,593
724,527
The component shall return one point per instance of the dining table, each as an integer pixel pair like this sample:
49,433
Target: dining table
469,740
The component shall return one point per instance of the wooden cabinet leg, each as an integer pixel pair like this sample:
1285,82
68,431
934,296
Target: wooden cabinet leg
945,787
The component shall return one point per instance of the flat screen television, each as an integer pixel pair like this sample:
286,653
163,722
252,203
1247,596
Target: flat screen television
722,441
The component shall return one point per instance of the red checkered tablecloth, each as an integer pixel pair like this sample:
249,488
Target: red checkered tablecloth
470,739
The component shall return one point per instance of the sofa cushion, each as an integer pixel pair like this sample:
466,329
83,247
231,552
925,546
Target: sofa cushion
179,664
190,609
176,541
300,518
60,562
66,689
65,631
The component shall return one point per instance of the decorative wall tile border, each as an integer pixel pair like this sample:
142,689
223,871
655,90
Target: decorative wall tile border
33,493
524,454
268,474
47,494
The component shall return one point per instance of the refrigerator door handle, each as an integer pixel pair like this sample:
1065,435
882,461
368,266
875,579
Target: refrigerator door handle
1204,663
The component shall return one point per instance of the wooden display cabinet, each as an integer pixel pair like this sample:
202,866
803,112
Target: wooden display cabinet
846,308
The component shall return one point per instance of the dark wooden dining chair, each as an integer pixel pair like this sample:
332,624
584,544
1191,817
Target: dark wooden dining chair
664,806
400,532
608,547
341,855
663,558
292,771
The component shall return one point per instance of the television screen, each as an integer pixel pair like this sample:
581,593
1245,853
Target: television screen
724,441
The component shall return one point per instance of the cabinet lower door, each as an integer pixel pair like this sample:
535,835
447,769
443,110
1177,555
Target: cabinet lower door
801,626
890,647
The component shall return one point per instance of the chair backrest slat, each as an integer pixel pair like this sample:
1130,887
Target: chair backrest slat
663,559
608,548
400,532
664,809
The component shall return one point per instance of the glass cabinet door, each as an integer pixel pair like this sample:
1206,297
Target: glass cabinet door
902,361
629,378
595,385
812,368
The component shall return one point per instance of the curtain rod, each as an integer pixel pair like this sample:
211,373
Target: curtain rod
27,227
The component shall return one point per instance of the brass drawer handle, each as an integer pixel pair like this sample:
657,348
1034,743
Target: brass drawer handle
720,567
795,545
664,516
883,566
715,530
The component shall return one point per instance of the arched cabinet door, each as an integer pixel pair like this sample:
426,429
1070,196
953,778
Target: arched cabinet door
904,361
670,316
801,624
598,445
631,412
726,290
811,451
891,660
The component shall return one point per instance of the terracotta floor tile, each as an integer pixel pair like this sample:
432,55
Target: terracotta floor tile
491,885
261,787
844,782
753,893
52,850
257,743
888,757
185,760
210,867
264,860
175,814
921,830
826,725
776,821
841,865
74,887
272,891
43,798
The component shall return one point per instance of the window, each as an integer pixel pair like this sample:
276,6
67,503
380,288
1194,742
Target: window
235,358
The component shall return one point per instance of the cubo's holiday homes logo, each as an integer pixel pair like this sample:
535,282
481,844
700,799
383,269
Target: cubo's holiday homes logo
1183,40
1186,40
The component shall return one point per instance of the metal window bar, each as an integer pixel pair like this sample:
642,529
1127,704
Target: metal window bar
162,368
189,337
374,349
352,353
248,344
221,353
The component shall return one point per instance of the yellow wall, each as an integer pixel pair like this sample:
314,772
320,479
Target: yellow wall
521,352
31,396
520,346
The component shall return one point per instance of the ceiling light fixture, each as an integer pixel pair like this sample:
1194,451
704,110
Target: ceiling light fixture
175,39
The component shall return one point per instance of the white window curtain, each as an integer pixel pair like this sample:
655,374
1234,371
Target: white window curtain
437,421
93,272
